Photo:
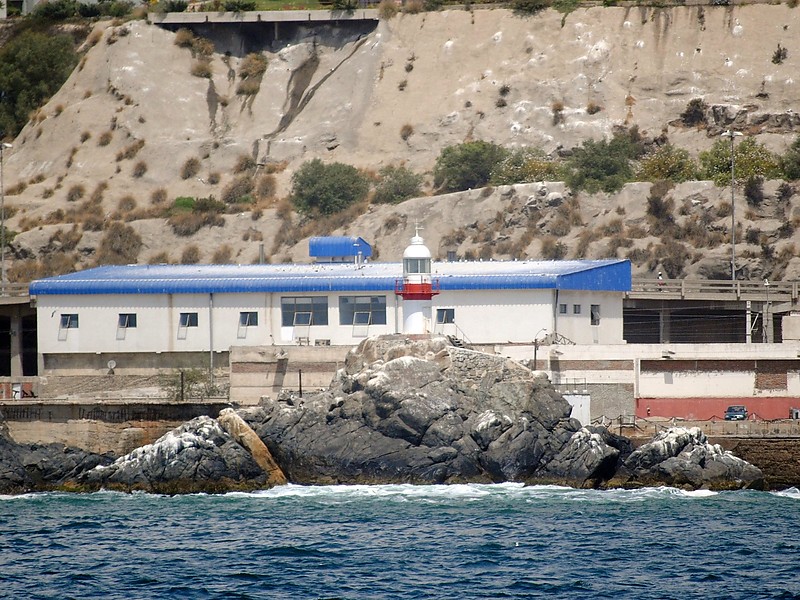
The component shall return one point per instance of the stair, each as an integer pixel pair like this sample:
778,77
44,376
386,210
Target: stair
458,343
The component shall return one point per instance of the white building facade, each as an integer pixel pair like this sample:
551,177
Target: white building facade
174,309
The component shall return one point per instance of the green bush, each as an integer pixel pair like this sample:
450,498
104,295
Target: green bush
397,184
33,66
327,188
751,160
529,7
55,10
239,5
695,112
667,163
790,162
604,165
468,165
526,165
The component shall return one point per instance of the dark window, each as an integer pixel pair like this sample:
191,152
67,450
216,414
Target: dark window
188,320
69,321
362,310
299,310
576,309
248,319
445,315
595,314
417,265
127,320
562,309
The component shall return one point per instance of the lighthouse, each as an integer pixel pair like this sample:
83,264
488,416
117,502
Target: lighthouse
417,287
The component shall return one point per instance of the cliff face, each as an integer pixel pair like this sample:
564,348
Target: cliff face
344,93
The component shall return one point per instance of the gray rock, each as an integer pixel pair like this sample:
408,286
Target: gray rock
198,456
418,411
590,457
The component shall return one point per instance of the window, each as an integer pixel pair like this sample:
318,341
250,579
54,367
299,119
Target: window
562,309
126,320
595,314
69,321
452,256
248,319
417,265
188,319
362,310
299,310
445,315
576,309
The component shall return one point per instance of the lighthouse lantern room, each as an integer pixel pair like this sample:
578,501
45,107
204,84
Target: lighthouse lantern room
417,287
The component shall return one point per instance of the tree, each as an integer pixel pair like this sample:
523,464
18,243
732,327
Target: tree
751,160
466,166
397,184
596,166
667,163
327,189
33,67
790,162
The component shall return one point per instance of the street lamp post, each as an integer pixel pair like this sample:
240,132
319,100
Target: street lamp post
3,146
732,134
766,318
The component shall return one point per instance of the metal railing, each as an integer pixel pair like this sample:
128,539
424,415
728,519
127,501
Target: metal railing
16,290
633,427
710,289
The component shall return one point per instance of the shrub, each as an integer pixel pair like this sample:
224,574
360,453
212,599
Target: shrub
695,112
245,162
239,5
190,168
213,178
222,255
754,190
126,204
779,55
593,108
751,160
413,7
139,169
406,131
529,7
85,136
184,38
396,184
327,188
120,245
785,192
130,151
253,67
185,224
201,68
239,190
552,249
158,196
790,162
208,205
174,5
55,10
105,138
93,222
190,255
467,165
266,186
387,9
667,163
76,192
525,165
162,258
33,66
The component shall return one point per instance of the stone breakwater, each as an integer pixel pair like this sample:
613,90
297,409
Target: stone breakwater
400,411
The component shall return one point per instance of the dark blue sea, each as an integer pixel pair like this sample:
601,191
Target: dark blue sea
462,541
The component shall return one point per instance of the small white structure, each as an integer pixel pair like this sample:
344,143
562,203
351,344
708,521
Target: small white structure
416,288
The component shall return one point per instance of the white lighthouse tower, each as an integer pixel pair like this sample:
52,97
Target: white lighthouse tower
417,287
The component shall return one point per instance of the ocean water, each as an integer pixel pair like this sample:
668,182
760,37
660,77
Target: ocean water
461,541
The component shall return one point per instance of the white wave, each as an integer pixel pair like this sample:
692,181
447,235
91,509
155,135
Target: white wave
792,493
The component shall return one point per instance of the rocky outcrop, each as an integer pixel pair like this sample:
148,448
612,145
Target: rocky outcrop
419,411
590,458
198,456
682,457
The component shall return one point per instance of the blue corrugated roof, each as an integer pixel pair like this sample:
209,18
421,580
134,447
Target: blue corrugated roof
338,246
600,275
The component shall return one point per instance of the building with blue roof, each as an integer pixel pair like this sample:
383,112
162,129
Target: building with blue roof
176,312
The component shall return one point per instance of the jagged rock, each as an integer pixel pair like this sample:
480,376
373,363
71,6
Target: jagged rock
198,456
590,458
241,432
683,457
421,411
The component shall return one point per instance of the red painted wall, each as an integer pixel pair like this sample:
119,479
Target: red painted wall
703,409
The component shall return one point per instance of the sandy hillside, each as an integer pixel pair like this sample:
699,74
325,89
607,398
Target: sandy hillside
343,93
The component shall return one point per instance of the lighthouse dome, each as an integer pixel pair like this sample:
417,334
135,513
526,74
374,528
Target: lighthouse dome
417,249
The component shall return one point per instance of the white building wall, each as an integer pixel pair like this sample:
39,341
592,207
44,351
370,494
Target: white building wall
481,316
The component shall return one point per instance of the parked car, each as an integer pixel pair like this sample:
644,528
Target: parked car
736,413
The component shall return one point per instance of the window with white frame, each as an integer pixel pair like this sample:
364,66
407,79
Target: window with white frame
304,310
417,265
445,316
362,310
595,314
69,321
248,319
126,320
188,319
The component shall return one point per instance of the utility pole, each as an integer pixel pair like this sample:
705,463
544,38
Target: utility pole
732,134
3,146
